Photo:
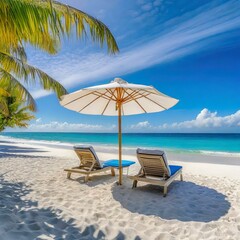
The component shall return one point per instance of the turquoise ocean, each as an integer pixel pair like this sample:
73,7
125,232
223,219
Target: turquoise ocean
189,143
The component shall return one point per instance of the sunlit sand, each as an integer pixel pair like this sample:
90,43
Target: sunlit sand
37,201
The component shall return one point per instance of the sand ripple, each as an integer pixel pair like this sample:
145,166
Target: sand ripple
38,202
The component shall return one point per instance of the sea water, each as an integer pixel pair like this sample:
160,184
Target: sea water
177,142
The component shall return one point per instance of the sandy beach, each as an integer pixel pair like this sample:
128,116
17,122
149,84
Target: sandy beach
38,202
155,82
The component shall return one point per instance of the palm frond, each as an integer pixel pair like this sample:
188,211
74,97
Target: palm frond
3,92
99,32
15,115
7,78
3,107
20,53
30,74
24,21
43,22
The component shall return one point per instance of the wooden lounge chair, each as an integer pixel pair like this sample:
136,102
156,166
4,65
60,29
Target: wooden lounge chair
155,169
89,163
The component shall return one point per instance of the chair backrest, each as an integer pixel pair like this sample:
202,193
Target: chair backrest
153,162
87,156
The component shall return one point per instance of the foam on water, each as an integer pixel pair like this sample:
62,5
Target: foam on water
175,143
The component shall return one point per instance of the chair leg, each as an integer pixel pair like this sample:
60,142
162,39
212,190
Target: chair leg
164,191
112,171
69,175
86,178
134,184
181,177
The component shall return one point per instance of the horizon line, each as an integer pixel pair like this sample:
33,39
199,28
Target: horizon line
124,132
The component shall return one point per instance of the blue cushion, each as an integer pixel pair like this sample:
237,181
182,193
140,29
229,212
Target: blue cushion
115,163
174,169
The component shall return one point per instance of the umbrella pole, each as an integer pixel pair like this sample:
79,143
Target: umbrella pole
120,142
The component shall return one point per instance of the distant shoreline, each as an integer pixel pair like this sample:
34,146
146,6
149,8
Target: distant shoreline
113,147
126,133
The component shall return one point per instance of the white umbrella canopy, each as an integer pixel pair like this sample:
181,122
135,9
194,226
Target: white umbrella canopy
118,98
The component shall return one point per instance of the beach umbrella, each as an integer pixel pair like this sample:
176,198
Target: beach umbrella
118,98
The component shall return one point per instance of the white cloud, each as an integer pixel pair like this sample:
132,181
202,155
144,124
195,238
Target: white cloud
188,34
38,120
205,121
141,125
68,127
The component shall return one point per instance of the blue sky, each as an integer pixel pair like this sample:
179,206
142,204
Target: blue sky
189,50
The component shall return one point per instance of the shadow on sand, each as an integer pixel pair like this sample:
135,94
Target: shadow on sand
15,151
23,219
94,180
186,201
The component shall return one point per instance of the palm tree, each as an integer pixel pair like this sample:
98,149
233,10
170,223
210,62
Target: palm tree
14,112
16,115
41,23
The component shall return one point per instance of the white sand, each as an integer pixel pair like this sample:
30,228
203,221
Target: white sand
38,202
